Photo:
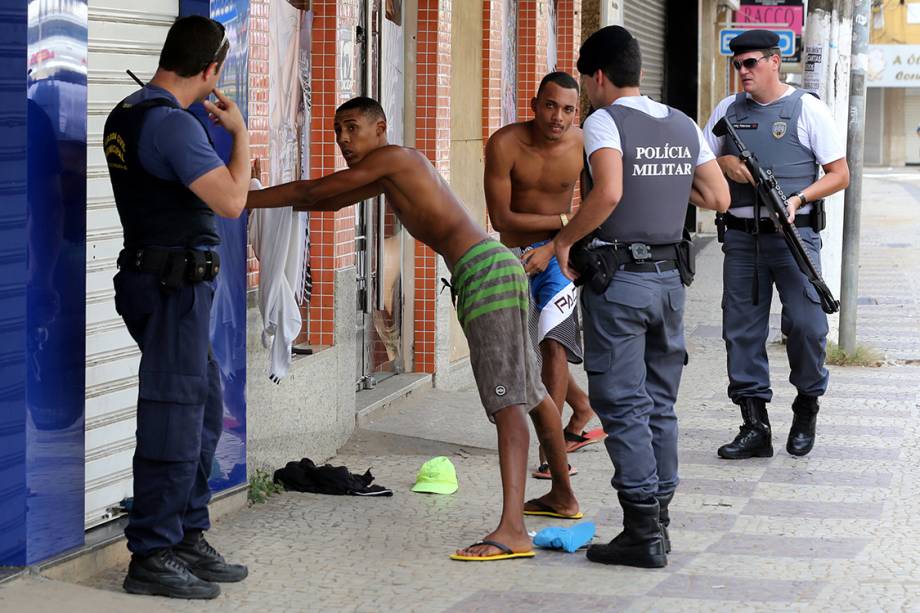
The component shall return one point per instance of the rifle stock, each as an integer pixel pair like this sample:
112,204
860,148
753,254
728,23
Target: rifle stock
770,193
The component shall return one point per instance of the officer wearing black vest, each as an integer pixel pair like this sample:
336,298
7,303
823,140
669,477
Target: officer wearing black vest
792,133
646,161
169,183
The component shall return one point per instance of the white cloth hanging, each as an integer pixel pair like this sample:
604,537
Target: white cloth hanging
272,233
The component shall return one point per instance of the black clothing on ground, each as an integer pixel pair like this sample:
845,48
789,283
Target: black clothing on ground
305,476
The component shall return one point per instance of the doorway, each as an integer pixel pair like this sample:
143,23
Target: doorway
379,235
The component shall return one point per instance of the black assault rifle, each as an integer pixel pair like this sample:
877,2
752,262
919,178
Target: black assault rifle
769,192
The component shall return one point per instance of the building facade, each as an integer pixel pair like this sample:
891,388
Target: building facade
448,74
893,81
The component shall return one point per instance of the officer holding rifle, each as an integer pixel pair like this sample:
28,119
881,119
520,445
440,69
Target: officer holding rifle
792,133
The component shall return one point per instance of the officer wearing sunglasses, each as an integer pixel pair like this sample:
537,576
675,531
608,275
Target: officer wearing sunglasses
169,186
792,133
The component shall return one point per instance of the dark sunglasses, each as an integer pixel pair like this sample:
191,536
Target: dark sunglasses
748,63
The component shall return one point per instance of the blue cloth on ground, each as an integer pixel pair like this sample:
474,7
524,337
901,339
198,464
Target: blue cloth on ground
567,539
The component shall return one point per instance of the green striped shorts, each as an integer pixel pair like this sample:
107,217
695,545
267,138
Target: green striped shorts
493,305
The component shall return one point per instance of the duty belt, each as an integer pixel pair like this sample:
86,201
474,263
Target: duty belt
639,257
766,226
174,266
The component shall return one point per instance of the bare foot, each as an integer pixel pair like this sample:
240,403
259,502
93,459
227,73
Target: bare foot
517,542
579,420
564,504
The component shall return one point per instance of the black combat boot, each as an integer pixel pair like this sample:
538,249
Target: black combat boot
664,517
802,433
163,574
204,561
640,543
754,439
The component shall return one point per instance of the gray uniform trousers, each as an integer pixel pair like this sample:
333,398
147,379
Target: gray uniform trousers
746,326
634,357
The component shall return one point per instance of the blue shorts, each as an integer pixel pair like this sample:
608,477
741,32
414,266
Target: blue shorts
554,295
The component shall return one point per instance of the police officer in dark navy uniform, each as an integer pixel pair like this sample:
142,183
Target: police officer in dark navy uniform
169,184
646,161
792,133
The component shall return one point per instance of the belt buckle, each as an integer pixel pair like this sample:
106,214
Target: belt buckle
640,252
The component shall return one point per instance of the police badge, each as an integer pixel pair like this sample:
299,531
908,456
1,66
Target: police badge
779,129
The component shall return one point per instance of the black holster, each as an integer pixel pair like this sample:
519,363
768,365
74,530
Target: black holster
720,227
595,266
818,216
686,259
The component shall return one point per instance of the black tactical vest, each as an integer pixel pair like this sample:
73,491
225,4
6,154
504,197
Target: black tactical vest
153,211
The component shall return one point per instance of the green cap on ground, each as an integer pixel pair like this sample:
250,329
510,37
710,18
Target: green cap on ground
436,476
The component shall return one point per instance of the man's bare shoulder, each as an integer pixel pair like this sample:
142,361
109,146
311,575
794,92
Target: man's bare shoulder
512,136
394,156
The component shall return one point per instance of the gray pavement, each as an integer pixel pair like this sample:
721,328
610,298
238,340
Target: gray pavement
831,531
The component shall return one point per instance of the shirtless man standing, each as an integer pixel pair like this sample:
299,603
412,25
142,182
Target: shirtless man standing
490,288
531,171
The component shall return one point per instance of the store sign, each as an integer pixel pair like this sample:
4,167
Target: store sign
786,41
789,17
893,66
775,14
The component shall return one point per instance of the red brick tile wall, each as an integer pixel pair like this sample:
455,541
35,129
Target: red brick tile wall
493,21
332,234
258,107
568,40
568,33
432,137
531,67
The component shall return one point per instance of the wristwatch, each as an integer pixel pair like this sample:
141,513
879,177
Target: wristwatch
564,218
801,196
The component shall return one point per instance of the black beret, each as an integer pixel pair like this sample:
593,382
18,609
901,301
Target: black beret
753,40
602,48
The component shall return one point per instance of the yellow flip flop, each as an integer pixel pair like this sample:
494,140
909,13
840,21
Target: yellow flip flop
506,553
544,510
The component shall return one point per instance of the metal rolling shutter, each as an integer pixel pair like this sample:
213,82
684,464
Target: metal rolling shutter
645,20
123,34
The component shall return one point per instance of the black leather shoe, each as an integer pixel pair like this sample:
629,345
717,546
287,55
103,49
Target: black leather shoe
664,518
754,438
162,574
205,563
640,543
805,418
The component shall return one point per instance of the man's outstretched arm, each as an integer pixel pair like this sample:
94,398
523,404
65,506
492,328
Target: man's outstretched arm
498,195
334,191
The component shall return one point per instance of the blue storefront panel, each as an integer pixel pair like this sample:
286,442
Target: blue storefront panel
43,246
43,178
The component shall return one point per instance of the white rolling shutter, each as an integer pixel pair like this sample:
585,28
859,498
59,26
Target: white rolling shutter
123,34
645,20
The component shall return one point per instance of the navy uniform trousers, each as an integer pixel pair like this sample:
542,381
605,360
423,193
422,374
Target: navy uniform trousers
179,408
746,326
634,357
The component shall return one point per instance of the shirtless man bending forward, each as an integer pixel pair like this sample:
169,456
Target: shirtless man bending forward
531,171
491,297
